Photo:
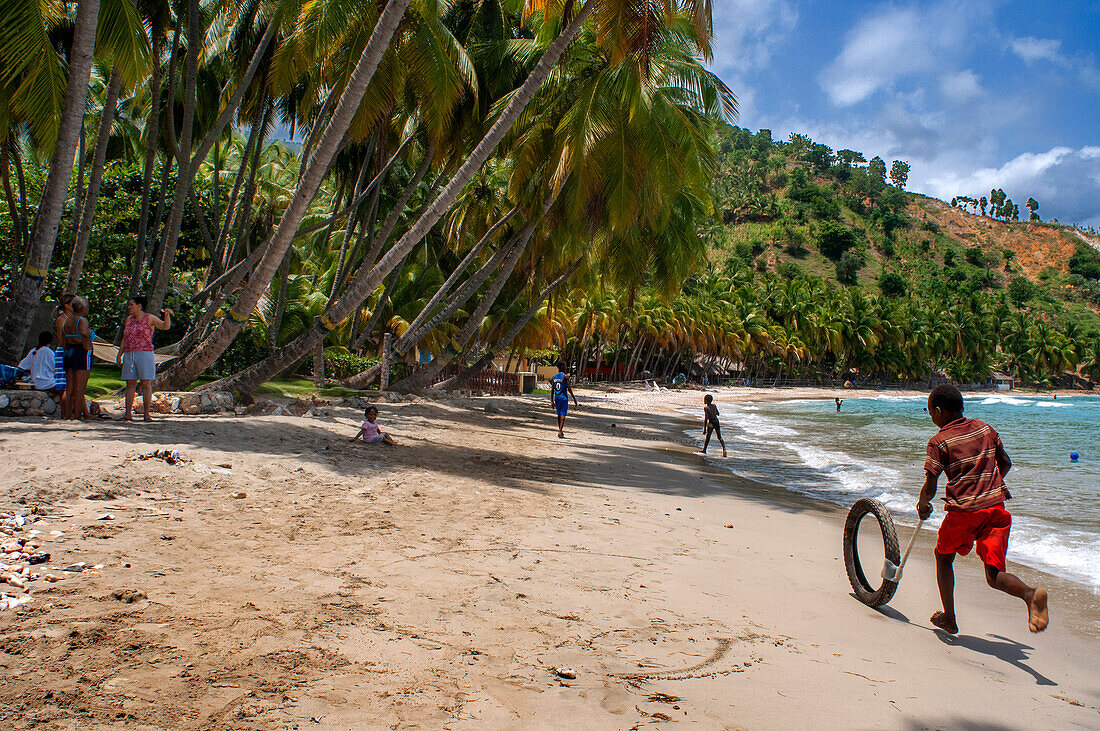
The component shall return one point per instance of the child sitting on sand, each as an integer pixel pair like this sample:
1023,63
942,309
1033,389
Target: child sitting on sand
971,454
710,424
370,433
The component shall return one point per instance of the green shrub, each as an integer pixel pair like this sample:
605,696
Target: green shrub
1020,290
847,269
341,363
975,256
833,240
1085,262
892,284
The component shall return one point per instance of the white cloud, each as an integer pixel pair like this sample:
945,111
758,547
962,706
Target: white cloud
746,33
961,87
1037,49
896,43
1065,181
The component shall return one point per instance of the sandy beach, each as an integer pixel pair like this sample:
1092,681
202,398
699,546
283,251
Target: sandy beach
287,578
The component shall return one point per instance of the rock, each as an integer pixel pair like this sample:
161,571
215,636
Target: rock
492,408
240,410
75,568
106,516
49,406
566,673
411,398
264,407
51,578
4,401
239,495
297,407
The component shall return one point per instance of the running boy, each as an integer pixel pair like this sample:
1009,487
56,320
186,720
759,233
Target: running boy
370,433
710,424
560,391
971,454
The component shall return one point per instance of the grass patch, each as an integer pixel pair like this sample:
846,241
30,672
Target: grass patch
105,380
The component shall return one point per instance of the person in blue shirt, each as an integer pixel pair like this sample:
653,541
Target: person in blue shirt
560,391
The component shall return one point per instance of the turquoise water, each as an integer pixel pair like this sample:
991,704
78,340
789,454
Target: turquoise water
875,447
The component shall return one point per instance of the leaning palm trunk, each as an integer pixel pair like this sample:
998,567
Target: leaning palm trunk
419,329
204,356
276,323
461,379
331,140
28,292
423,378
249,379
189,163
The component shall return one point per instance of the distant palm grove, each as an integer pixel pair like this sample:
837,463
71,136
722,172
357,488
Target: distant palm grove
480,179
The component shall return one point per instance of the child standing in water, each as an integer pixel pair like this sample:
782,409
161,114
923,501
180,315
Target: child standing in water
710,424
971,454
370,433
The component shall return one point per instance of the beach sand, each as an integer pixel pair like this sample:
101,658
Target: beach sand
452,581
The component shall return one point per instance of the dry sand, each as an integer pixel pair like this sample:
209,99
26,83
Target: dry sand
440,584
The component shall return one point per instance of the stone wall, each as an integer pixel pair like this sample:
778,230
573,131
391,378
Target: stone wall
27,403
39,403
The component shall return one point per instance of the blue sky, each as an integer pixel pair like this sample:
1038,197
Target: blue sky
973,95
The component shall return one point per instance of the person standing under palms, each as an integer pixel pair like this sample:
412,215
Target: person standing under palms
560,391
64,312
135,356
76,339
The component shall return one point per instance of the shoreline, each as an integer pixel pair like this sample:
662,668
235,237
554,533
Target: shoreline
459,580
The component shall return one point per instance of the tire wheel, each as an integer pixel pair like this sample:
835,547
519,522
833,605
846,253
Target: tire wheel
870,595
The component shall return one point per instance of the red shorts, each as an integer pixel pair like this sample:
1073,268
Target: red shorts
988,527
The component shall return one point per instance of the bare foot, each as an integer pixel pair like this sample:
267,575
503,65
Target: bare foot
1037,618
561,436
947,624
147,418
723,453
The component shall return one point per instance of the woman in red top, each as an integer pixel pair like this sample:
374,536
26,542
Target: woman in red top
135,357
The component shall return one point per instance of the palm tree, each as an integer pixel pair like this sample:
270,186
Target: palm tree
28,290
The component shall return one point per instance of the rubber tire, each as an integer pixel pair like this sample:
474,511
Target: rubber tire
864,591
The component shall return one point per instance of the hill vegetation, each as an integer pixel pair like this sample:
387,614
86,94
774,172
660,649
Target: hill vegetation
488,179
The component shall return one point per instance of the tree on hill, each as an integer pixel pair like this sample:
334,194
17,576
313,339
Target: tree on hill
892,284
847,269
997,203
1033,206
899,173
833,239
850,157
983,203
876,169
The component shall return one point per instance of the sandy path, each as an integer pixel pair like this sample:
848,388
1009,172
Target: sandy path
439,585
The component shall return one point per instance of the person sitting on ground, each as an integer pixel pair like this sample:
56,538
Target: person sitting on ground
76,338
370,433
135,355
972,455
710,424
560,391
40,364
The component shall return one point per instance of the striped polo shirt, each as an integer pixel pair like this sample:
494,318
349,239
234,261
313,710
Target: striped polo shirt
967,449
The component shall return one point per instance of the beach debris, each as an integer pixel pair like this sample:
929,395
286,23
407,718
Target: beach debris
8,601
239,495
729,525
565,673
171,456
128,596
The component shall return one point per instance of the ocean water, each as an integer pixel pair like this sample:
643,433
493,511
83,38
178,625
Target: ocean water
875,448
